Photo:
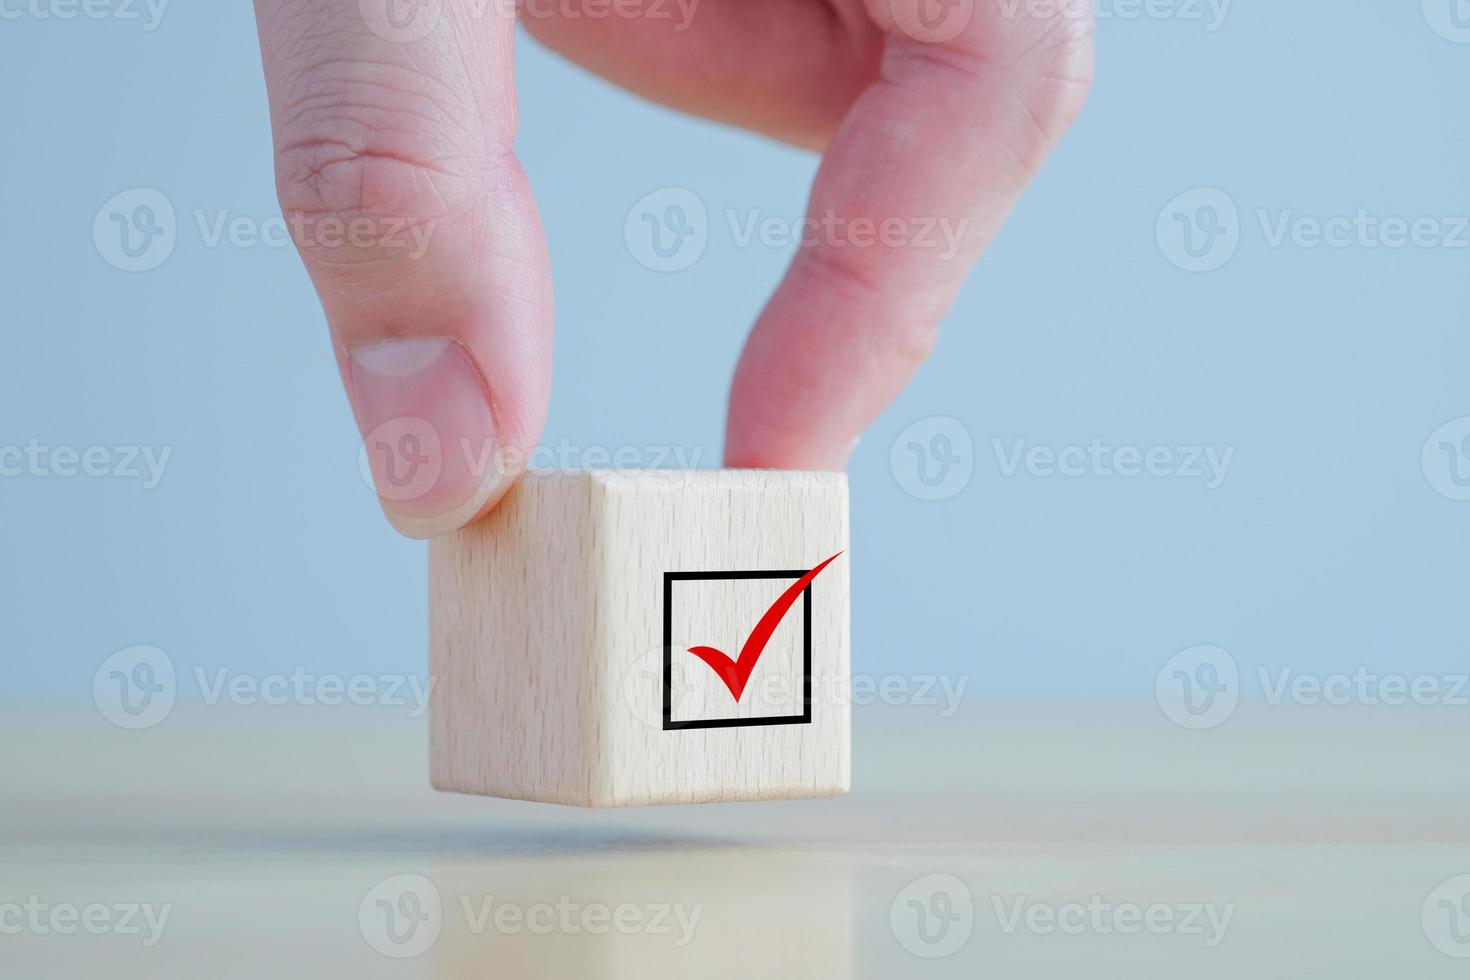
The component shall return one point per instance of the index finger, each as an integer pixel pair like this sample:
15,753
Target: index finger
918,179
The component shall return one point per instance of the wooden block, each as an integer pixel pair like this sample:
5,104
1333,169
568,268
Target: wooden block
610,638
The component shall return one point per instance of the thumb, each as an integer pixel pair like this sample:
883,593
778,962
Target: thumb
394,126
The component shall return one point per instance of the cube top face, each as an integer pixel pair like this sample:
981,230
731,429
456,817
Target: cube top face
630,637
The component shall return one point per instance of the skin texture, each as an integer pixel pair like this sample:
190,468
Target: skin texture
930,114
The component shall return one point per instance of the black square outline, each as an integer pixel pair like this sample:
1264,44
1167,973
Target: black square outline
805,718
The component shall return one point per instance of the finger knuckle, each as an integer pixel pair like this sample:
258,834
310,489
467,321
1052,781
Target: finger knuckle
370,150
916,309
1050,60
914,344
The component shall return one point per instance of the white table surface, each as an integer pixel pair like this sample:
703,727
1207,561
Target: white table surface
1323,832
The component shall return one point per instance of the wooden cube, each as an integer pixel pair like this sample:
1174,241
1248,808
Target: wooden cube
611,638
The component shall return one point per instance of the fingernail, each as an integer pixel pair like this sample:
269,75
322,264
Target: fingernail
429,443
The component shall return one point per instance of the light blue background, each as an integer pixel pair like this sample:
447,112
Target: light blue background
1326,369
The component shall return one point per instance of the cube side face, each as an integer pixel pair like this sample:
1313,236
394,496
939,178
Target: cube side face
511,649
729,563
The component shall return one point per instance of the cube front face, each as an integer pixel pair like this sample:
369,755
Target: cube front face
646,637
718,562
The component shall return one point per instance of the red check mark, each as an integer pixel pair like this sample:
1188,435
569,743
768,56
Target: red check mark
736,673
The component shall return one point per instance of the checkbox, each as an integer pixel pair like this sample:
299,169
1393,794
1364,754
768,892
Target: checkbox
620,638
706,609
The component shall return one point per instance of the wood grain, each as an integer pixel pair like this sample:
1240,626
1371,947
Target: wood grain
547,640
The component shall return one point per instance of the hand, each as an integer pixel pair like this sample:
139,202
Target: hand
395,135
